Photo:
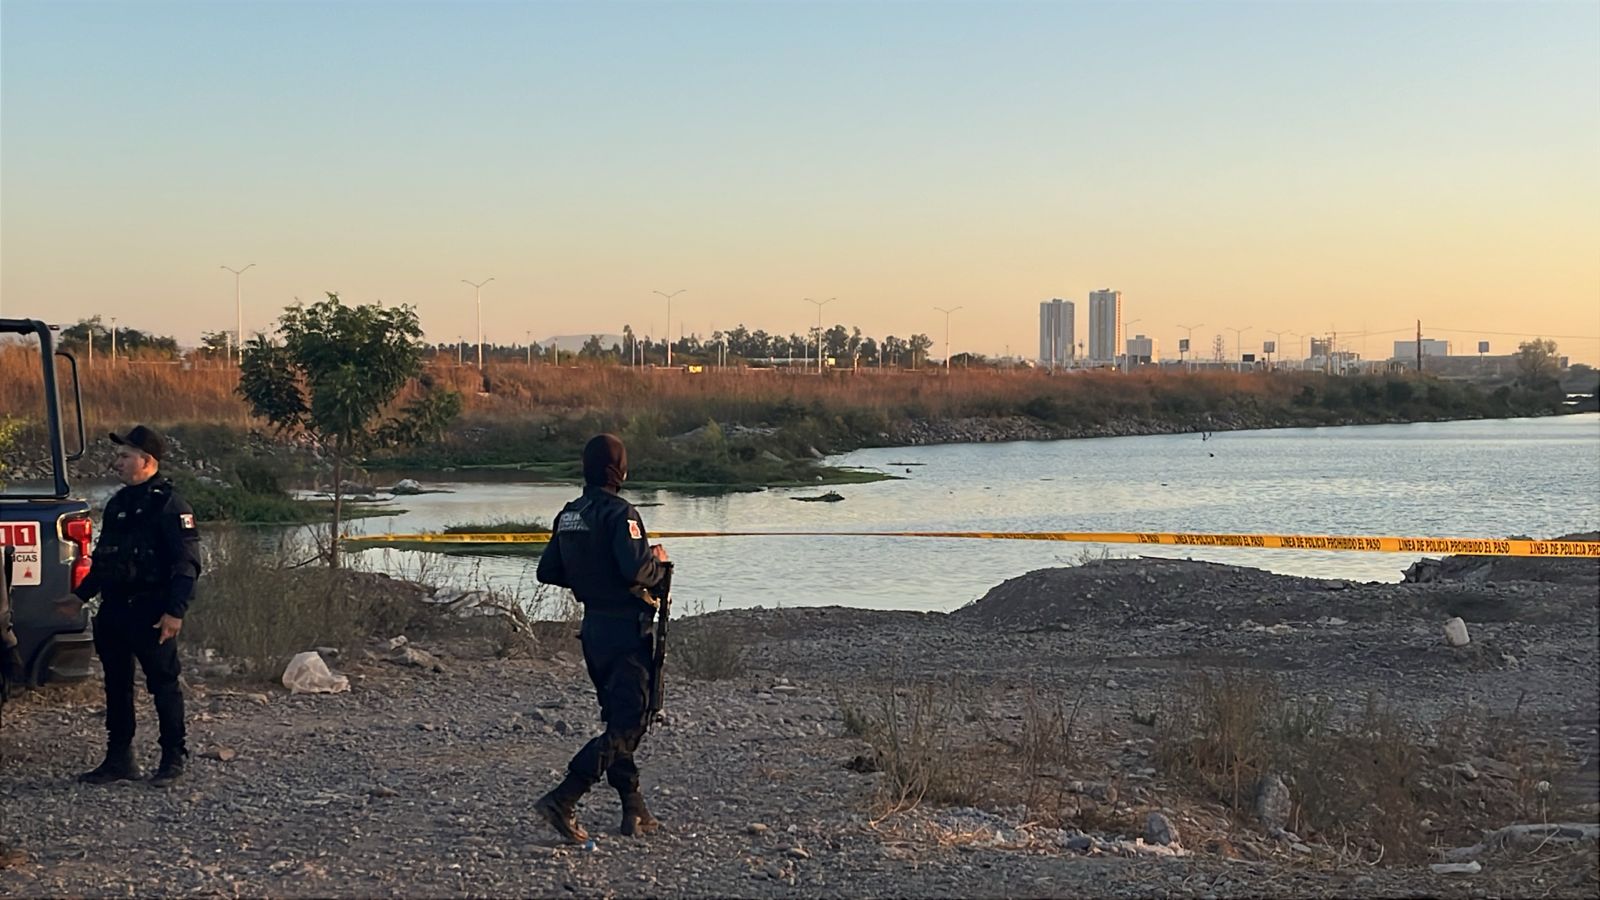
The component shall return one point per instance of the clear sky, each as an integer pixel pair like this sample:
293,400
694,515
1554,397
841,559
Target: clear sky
1282,166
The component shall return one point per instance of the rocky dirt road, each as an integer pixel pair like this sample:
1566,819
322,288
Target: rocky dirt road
420,783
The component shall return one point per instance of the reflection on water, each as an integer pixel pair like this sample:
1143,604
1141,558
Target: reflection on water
1538,477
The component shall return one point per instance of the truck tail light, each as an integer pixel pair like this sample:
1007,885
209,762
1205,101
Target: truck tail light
80,531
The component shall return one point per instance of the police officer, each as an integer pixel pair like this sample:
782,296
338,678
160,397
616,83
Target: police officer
599,550
145,566
10,673
10,659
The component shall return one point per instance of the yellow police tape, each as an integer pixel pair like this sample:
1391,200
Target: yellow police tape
1458,546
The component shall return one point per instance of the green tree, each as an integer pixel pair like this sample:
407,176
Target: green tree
1537,365
592,348
918,348
215,345
331,376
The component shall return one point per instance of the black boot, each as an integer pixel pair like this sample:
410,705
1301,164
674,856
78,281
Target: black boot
117,766
171,768
560,808
636,818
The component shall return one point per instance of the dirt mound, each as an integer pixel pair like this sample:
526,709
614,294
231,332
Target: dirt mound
1484,569
1137,591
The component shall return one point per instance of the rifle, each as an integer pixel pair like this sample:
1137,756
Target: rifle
663,594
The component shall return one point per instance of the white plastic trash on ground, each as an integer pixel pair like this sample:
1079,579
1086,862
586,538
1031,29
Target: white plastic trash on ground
308,674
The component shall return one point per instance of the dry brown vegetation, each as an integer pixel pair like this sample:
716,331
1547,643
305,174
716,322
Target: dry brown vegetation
1374,787
165,393
259,603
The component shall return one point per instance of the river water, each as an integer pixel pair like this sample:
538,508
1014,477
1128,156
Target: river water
1535,477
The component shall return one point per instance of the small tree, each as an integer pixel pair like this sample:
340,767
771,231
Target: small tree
918,347
592,348
1537,365
335,372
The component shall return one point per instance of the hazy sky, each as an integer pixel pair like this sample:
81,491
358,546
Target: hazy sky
1275,165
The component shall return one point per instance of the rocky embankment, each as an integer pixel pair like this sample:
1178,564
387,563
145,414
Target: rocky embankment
774,780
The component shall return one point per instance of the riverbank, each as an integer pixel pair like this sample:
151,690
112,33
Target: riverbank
1049,725
744,429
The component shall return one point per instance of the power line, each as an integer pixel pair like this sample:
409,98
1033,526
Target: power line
1564,337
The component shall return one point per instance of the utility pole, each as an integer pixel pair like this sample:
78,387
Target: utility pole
1419,346
113,342
477,297
669,320
820,304
1189,334
1238,346
1278,342
529,335
238,311
947,313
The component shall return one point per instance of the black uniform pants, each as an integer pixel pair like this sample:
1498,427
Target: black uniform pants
618,653
124,632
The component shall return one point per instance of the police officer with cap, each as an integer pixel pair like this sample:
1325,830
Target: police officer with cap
600,551
145,566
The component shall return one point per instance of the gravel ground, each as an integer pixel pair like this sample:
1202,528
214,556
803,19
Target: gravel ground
419,783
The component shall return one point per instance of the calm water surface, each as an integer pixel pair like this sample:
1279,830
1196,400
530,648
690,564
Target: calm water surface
1538,477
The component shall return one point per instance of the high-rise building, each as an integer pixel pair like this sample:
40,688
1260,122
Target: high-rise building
1105,324
1057,332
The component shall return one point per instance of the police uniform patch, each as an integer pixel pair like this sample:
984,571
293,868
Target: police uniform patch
633,530
186,520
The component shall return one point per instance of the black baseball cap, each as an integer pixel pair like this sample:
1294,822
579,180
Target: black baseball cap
141,438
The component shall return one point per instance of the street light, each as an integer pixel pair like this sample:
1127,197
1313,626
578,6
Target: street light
477,297
947,313
1238,348
669,320
1189,337
238,309
1277,339
819,304
1127,362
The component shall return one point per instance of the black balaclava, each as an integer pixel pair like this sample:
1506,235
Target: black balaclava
605,461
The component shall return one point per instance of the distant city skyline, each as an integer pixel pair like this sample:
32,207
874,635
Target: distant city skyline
1304,168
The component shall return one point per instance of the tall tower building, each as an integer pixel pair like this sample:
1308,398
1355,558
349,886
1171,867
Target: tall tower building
1105,324
1057,332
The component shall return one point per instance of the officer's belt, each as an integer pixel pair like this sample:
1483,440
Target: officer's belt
608,613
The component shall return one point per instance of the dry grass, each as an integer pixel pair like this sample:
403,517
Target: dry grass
748,395
158,393
1376,784
704,648
916,733
164,393
256,606
935,745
